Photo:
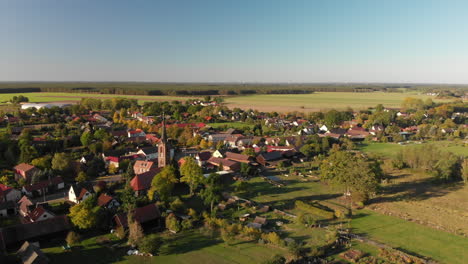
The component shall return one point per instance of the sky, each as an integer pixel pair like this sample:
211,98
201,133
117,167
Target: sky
397,41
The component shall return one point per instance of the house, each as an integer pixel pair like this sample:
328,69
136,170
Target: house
11,235
142,166
270,158
220,153
112,161
239,157
9,193
86,158
357,133
150,153
231,140
202,157
30,253
447,130
215,138
107,201
25,205
376,129
323,128
25,171
141,183
39,214
228,165
136,133
152,138
145,214
44,187
77,194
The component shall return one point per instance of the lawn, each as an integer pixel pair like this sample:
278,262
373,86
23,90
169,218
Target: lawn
186,247
320,101
193,247
411,237
53,97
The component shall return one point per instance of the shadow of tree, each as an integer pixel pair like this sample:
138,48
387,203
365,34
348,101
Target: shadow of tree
186,242
417,190
98,255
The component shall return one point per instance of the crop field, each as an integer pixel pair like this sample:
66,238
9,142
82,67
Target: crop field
280,103
411,237
56,97
320,101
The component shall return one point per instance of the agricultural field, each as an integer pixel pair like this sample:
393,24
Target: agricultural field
320,101
280,103
55,97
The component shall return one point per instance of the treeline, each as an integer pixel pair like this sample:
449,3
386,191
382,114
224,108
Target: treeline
20,90
193,89
440,164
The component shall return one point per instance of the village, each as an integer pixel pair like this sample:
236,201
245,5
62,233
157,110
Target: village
112,166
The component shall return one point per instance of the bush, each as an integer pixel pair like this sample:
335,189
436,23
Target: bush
187,224
177,205
193,214
277,259
340,211
251,233
273,238
73,238
120,232
172,223
150,244
314,210
306,219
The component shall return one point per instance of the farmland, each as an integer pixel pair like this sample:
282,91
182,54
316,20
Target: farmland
53,97
280,103
319,101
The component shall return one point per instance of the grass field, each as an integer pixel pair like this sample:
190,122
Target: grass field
187,247
389,150
411,237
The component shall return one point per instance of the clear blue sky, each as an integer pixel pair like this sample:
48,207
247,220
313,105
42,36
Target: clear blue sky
234,41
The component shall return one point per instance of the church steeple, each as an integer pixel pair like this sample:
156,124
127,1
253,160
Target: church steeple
162,146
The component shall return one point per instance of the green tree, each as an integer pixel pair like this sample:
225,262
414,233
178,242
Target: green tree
354,173
82,177
44,162
150,244
191,173
163,183
85,215
135,231
212,191
172,223
464,171
86,138
61,162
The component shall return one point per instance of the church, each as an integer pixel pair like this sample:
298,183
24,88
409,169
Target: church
165,152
